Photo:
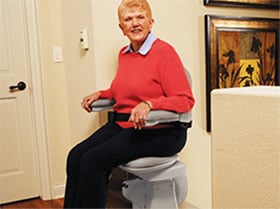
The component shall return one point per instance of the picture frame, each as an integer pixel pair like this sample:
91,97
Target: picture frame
240,51
261,4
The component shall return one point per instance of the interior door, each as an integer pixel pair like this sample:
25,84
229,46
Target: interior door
18,166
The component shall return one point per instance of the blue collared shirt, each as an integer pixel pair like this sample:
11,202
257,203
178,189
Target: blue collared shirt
145,48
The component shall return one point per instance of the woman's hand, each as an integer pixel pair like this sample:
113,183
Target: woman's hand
139,114
88,100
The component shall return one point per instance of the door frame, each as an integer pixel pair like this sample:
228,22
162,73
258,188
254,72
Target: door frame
38,104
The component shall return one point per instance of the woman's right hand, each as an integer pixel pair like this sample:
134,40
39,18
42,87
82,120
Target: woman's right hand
88,100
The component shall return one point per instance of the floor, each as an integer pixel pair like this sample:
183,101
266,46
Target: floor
114,199
35,203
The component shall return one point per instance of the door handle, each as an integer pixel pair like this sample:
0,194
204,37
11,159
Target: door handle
20,86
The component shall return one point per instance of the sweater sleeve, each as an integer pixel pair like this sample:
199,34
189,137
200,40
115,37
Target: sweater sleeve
106,94
177,93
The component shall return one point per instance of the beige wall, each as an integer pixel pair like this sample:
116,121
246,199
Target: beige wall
246,160
180,22
56,94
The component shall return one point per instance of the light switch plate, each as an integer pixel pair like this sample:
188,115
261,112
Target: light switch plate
57,54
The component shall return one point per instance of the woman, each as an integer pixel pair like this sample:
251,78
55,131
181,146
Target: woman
150,76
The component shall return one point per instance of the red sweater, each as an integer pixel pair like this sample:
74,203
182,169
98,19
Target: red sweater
158,77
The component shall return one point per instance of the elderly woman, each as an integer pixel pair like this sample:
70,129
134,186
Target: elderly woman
150,76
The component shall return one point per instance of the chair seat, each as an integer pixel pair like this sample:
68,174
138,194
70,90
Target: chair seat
149,164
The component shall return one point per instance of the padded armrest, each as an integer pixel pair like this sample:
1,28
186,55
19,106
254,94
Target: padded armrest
154,117
161,116
102,104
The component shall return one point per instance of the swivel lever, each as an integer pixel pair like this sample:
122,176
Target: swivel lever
20,86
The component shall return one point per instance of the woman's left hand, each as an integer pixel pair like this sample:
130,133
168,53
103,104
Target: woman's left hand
139,114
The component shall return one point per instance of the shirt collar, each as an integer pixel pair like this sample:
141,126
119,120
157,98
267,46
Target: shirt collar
145,48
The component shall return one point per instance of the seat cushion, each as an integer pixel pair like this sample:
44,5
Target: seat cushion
147,164
143,166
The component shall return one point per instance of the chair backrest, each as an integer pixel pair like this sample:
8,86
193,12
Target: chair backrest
189,77
187,117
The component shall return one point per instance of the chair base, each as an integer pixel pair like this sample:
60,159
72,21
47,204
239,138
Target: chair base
150,195
158,189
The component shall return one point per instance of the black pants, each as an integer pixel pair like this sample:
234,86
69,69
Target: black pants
90,163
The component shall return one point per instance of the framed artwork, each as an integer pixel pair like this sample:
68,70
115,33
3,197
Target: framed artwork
240,52
263,4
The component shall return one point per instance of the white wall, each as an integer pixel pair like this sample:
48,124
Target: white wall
180,22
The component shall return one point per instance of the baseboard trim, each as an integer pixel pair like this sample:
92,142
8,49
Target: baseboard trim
58,191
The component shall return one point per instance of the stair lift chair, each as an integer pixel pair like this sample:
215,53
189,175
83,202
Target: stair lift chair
161,181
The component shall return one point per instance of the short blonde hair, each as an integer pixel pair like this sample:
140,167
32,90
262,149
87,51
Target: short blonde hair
137,3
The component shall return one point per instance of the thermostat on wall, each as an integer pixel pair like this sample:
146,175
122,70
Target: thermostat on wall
84,39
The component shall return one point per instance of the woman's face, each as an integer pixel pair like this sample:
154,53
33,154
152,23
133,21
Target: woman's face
136,25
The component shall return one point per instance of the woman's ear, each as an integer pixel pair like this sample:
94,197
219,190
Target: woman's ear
152,21
121,27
